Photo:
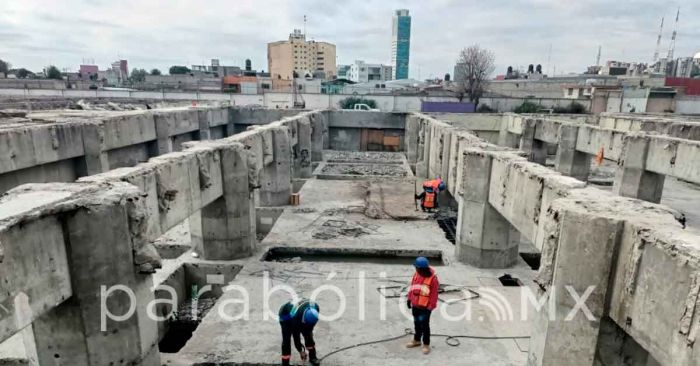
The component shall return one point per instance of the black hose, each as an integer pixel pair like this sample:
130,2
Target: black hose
450,340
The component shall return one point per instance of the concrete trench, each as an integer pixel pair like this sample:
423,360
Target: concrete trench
519,225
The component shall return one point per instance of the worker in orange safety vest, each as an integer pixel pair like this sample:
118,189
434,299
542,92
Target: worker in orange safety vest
429,197
422,300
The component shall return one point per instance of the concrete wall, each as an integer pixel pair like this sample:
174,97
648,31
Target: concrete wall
626,251
63,146
53,287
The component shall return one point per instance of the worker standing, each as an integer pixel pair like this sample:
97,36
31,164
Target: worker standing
429,197
422,300
299,319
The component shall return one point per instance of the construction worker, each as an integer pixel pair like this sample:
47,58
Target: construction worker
299,319
428,198
422,300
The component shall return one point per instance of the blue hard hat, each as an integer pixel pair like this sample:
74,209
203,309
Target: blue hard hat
441,186
310,316
422,262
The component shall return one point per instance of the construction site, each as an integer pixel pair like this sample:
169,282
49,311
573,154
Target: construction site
171,234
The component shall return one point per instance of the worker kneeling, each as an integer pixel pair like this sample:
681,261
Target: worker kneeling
422,299
295,320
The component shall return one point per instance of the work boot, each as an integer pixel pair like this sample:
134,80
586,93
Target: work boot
426,349
413,344
312,357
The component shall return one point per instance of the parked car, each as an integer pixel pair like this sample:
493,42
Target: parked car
364,107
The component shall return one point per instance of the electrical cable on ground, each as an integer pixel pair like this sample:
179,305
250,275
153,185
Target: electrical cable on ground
450,340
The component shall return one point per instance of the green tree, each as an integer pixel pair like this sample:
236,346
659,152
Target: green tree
527,107
155,72
23,73
138,75
178,70
349,102
52,72
4,67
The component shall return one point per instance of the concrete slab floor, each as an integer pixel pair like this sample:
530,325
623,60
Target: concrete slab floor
254,340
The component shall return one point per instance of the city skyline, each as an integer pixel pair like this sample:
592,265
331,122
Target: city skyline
34,36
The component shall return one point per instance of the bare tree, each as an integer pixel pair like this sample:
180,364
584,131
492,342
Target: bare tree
474,67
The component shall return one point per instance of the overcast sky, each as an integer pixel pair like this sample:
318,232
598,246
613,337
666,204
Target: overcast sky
162,33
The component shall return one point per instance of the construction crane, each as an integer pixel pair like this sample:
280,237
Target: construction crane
658,41
672,46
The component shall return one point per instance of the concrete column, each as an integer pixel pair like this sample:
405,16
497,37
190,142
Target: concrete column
505,138
569,161
562,336
422,163
99,244
228,223
204,118
483,234
276,177
317,127
96,158
536,150
195,222
632,179
231,124
411,140
302,151
164,144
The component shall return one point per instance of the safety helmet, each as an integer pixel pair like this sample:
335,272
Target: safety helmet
310,316
422,262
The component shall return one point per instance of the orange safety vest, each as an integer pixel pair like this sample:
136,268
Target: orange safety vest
422,292
429,200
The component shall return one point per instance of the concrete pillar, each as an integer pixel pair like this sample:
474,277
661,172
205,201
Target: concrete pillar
276,177
317,127
569,161
164,144
505,138
99,244
536,150
302,151
562,336
422,163
96,158
195,222
411,140
632,179
485,239
204,118
228,223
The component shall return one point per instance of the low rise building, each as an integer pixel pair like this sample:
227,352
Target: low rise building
361,72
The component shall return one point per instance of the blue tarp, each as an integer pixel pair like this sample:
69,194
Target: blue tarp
447,107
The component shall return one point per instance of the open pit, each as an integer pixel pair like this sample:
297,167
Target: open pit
193,198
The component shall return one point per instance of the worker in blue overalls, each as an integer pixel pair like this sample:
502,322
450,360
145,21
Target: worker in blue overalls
299,319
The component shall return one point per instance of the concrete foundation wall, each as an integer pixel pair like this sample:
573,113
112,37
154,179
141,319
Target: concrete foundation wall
59,242
64,145
628,250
